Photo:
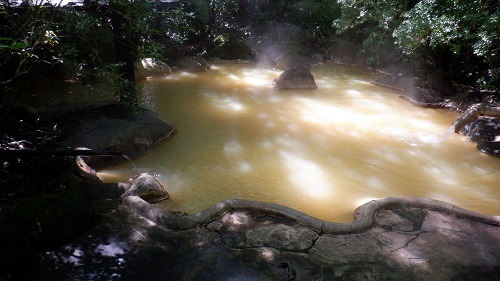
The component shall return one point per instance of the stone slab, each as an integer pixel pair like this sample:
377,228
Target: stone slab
392,239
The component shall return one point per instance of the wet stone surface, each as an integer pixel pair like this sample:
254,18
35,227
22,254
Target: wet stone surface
402,243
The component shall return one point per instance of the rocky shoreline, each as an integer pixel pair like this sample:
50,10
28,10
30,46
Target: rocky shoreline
390,239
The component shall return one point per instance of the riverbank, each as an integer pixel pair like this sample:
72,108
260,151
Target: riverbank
391,239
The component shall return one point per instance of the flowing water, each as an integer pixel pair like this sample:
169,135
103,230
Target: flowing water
323,152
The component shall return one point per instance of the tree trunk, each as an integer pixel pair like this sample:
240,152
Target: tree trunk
126,52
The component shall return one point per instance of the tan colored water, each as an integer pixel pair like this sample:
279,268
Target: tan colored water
323,152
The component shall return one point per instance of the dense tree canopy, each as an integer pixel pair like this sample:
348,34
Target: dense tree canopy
466,31
460,38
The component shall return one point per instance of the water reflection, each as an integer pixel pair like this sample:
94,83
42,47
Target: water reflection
323,152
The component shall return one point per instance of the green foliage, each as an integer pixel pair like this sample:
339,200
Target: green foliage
467,30
371,24
123,88
382,14
459,37
39,35
137,15
315,17
202,10
212,29
27,36
152,49
174,28
11,45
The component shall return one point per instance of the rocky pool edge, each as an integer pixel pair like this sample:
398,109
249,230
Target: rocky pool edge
364,215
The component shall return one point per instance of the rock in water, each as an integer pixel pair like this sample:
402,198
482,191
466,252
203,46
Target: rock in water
147,188
298,77
108,126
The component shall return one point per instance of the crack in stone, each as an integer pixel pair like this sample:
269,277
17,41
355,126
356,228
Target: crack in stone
417,235
313,244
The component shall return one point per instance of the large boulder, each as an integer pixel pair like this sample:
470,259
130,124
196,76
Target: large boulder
148,67
490,148
108,127
485,132
147,188
298,77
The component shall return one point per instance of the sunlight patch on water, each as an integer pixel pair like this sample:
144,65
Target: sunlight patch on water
362,82
306,175
233,77
259,77
181,75
232,147
261,81
353,92
318,112
230,103
244,167
375,182
411,136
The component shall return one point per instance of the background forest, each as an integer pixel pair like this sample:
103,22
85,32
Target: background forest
460,38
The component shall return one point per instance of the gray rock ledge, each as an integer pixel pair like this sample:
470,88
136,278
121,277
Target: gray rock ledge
397,238
364,216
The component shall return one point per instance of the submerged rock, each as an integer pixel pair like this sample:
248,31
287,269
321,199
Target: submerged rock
298,77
